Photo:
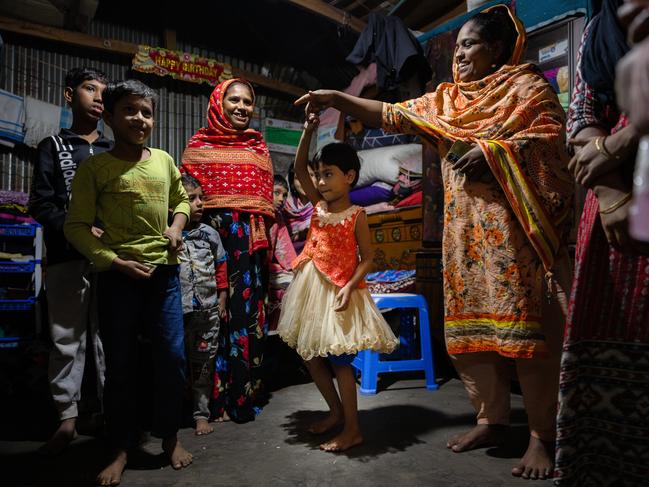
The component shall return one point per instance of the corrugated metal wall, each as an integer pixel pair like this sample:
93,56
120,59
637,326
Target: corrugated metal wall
39,72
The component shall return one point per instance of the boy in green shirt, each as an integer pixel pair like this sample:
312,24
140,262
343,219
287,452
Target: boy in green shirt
129,190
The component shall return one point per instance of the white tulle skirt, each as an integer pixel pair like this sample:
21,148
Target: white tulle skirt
309,324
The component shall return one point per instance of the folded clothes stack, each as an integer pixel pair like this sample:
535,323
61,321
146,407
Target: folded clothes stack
391,281
389,177
13,208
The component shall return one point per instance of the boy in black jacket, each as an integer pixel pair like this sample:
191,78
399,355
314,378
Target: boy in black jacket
68,280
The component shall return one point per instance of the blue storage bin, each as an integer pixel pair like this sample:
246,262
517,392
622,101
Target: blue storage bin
24,230
12,267
9,342
17,304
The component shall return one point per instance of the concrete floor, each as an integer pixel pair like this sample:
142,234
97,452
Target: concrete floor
405,428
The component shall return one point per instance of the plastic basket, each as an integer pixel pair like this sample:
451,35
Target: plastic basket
26,230
7,266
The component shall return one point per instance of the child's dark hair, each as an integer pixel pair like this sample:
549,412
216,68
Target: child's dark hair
280,181
76,76
340,155
190,181
497,26
118,90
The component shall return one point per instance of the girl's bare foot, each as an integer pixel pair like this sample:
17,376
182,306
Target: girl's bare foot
344,441
178,456
203,427
112,474
481,435
330,422
537,463
223,418
61,437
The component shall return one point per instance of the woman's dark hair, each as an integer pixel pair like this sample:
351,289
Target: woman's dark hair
189,181
291,177
118,90
242,83
76,76
495,27
280,181
291,184
340,155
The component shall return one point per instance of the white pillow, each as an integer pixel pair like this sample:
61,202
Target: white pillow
383,164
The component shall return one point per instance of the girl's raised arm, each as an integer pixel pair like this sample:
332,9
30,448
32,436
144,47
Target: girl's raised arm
302,157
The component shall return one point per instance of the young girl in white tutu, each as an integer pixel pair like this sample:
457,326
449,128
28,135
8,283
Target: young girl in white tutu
327,312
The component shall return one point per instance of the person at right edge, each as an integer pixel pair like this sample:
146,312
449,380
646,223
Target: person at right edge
603,425
507,198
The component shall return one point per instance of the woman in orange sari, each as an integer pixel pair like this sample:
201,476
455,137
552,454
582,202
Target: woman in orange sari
507,200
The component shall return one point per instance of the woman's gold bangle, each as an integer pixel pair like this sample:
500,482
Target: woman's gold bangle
601,148
623,200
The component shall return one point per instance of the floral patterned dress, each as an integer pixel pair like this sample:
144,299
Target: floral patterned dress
238,374
492,277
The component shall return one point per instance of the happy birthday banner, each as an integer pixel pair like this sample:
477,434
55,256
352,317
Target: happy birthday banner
180,65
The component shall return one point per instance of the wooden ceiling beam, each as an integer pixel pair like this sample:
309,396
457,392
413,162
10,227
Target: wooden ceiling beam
333,13
451,14
66,36
124,48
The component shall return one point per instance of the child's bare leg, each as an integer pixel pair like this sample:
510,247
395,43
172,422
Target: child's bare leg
203,427
351,433
61,438
112,474
324,381
178,456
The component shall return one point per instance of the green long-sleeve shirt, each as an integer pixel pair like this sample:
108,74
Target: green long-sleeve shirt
131,200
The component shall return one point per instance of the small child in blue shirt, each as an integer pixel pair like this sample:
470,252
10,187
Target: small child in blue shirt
204,288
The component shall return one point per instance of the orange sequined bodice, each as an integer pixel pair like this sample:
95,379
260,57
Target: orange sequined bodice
331,244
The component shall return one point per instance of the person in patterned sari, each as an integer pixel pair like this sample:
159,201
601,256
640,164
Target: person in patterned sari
507,200
232,163
603,421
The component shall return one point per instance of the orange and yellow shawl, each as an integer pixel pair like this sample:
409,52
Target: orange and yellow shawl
516,119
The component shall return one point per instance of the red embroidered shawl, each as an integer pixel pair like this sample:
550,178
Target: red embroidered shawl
233,166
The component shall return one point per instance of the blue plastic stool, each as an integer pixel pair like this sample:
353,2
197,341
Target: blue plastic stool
369,363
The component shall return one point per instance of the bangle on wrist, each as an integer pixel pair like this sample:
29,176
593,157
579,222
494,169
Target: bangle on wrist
600,145
622,201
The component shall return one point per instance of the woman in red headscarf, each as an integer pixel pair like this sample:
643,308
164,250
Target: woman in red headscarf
232,163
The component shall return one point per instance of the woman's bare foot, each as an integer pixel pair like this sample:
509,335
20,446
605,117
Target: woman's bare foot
203,427
344,441
178,456
330,422
61,437
112,474
537,463
481,435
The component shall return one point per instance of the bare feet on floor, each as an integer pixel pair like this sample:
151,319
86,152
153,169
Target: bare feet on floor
480,436
178,456
538,461
61,437
327,424
223,418
112,474
203,427
344,441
